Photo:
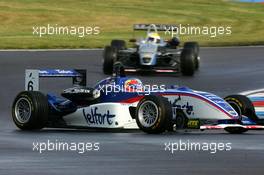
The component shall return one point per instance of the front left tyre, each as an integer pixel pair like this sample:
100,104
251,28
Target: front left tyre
30,110
187,62
196,49
153,114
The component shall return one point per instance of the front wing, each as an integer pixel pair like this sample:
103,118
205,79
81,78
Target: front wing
153,70
224,126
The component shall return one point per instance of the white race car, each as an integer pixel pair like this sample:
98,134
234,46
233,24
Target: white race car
153,54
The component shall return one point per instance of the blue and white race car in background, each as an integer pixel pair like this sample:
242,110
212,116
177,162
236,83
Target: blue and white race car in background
121,102
153,53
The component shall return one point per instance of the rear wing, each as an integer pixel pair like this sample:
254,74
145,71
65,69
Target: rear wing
159,27
32,77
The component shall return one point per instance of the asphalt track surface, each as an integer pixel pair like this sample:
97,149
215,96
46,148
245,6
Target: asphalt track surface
223,71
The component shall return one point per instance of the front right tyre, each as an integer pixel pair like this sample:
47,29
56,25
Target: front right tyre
118,44
244,107
153,114
110,57
30,110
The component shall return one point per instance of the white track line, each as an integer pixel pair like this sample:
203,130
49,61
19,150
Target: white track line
45,50
252,92
94,49
233,47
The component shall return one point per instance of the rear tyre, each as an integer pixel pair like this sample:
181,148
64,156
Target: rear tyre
153,114
118,44
187,62
196,49
30,110
110,57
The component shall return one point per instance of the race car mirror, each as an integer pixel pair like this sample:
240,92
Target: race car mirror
80,80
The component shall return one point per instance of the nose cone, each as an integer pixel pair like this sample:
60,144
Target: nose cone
147,54
146,59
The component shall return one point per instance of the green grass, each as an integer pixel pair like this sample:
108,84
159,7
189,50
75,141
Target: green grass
116,17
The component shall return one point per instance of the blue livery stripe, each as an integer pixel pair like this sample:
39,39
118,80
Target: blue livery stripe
58,73
253,99
260,113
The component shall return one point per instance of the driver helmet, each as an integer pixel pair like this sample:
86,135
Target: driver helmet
153,37
133,85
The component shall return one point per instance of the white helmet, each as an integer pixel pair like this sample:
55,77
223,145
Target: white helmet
153,37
